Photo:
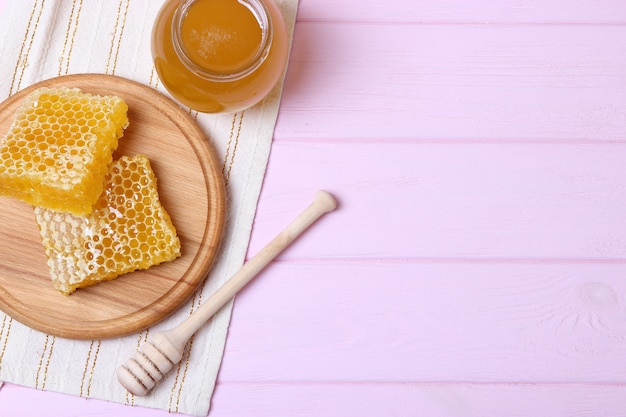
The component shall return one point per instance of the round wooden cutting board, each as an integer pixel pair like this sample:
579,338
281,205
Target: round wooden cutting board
191,189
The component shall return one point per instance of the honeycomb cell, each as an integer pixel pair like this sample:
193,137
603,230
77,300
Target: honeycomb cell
47,127
85,250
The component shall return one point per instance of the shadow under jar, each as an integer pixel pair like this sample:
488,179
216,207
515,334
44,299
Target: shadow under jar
219,55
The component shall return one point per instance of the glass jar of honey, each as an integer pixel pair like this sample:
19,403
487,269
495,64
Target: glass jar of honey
219,55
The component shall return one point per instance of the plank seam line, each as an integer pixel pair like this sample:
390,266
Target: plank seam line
401,141
417,260
512,23
566,384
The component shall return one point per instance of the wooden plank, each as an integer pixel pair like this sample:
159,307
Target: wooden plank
453,11
451,201
455,83
352,400
377,322
375,400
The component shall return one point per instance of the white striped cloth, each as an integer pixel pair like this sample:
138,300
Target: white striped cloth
44,39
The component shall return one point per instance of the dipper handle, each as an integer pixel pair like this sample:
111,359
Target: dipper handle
140,373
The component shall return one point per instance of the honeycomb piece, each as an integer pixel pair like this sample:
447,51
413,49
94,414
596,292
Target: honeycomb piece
58,148
128,230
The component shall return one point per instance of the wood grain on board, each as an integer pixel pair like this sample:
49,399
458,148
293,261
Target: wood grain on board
191,190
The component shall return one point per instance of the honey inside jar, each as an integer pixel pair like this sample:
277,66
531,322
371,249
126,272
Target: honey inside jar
212,27
219,55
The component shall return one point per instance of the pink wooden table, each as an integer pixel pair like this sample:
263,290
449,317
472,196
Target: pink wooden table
477,265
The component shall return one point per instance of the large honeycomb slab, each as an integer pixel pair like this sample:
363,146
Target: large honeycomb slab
58,148
128,230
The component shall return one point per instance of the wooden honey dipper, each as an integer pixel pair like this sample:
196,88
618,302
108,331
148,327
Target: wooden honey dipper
158,356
